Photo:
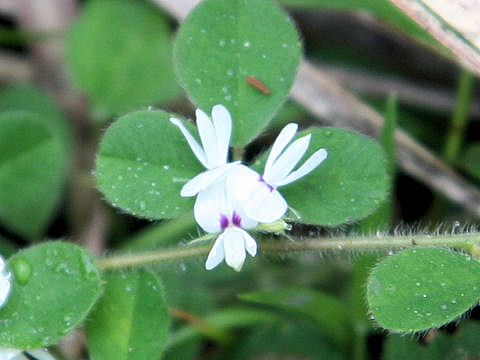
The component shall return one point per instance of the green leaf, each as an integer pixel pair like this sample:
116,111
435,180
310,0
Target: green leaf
33,167
422,288
463,344
55,285
348,185
470,160
130,320
382,218
284,340
143,163
28,98
325,310
221,43
230,318
119,53
383,10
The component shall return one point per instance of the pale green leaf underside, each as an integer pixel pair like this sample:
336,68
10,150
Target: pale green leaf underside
33,164
224,41
347,186
130,320
422,288
120,54
57,287
142,164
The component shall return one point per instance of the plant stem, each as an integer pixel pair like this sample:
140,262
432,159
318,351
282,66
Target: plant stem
460,117
467,242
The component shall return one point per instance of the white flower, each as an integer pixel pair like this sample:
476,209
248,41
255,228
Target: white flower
215,138
15,354
5,283
216,210
258,194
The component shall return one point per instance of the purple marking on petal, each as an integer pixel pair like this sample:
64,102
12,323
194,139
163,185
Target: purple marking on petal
223,222
270,187
236,219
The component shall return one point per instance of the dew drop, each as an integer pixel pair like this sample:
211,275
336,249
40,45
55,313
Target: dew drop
22,270
198,81
417,283
221,43
230,72
143,205
444,307
247,44
166,167
453,301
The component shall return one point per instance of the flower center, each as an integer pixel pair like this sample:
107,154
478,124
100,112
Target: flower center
270,187
225,221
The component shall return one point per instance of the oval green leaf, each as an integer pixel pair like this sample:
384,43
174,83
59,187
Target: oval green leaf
325,310
55,285
221,43
422,288
142,164
120,54
349,184
33,168
130,320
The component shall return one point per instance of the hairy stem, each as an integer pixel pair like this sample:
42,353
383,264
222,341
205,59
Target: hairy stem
466,242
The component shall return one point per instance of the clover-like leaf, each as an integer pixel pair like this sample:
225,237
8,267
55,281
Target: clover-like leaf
120,54
55,285
422,288
241,53
348,185
142,164
130,320
33,168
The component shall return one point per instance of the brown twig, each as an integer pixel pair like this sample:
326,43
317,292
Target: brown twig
321,94
325,98
15,68
422,95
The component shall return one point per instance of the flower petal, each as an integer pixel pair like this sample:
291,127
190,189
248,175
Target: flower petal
204,179
39,354
243,183
234,247
307,167
5,287
194,145
222,121
250,243
282,140
208,137
8,353
216,254
266,206
287,161
209,206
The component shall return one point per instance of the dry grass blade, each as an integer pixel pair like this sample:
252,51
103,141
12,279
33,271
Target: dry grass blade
454,23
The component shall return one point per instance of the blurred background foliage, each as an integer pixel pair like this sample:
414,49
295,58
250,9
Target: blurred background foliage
75,67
